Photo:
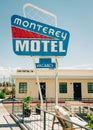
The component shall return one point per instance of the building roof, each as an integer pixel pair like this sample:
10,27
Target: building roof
51,73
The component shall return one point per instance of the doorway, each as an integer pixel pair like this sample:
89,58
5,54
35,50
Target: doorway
43,90
77,91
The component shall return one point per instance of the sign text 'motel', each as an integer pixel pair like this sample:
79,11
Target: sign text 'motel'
33,38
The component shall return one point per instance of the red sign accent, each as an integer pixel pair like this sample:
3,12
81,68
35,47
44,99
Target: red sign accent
20,33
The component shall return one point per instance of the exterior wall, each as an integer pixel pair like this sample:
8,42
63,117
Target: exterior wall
69,93
50,88
85,93
32,87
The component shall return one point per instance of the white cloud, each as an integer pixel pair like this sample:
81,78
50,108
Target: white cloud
6,72
81,67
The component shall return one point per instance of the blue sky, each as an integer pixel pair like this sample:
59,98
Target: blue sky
75,16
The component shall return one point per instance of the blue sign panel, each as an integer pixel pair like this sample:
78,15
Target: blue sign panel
39,47
45,63
33,38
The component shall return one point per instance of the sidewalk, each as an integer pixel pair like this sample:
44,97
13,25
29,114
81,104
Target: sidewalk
6,122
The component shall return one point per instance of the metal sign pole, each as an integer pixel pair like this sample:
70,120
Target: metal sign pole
56,83
38,83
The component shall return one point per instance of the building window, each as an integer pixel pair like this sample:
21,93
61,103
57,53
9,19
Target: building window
63,87
22,87
90,87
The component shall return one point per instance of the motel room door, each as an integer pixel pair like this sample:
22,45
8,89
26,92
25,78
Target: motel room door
77,91
43,90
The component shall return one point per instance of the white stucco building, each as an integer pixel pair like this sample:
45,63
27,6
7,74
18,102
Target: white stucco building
72,84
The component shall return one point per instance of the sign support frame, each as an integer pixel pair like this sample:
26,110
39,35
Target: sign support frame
56,82
38,83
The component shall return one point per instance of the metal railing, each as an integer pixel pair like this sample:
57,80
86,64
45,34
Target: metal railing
43,120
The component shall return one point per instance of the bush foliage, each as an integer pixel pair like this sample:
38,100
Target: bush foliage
2,95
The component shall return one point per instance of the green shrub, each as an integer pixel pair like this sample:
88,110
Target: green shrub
38,105
13,92
2,95
90,121
26,101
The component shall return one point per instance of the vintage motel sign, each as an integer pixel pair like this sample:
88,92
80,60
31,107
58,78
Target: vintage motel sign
45,63
33,38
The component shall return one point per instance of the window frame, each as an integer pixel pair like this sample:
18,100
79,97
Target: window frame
63,90
90,87
22,87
